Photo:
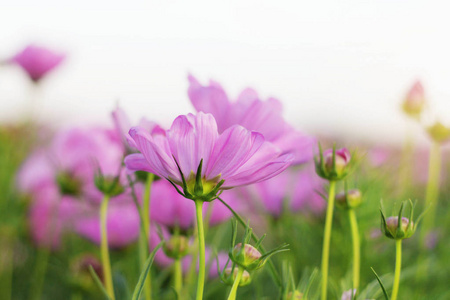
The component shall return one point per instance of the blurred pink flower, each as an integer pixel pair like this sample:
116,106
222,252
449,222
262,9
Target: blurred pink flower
37,61
237,156
67,169
123,125
253,114
51,215
293,189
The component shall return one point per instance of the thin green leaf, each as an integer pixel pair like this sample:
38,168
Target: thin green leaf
98,282
381,284
140,285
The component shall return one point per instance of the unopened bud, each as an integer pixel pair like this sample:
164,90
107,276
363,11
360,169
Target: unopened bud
335,169
245,257
415,101
349,199
229,276
405,230
176,247
438,132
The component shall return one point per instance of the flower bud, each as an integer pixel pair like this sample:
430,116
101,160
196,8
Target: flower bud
229,276
296,295
108,185
176,247
245,257
438,132
415,101
349,199
405,230
333,164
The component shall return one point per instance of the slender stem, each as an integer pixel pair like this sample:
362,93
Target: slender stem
398,267
145,233
178,277
237,280
326,239
6,283
146,204
39,272
432,192
106,264
356,247
201,249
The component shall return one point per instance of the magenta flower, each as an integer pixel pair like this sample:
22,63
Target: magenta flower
234,158
123,125
252,113
294,190
37,61
67,169
122,224
51,215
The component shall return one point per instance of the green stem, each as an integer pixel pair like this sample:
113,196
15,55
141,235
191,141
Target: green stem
398,267
178,277
432,192
326,239
39,272
237,280
106,264
145,233
356,247
201,249
406,162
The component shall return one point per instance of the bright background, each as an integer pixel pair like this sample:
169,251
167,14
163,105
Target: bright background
340,67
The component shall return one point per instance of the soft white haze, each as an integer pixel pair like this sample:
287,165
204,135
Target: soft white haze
339,67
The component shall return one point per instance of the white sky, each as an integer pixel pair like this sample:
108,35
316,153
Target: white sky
339,67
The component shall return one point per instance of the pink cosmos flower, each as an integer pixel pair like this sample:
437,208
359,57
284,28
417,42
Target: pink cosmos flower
50,216
252,113
123,125
293,189
62,175
234,158
37,61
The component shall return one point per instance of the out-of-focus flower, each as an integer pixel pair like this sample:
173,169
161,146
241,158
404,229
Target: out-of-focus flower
67,169
293,190
234,158
438,132
123,125
51,215
253,114
122,223
333,164
415,100
37,61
